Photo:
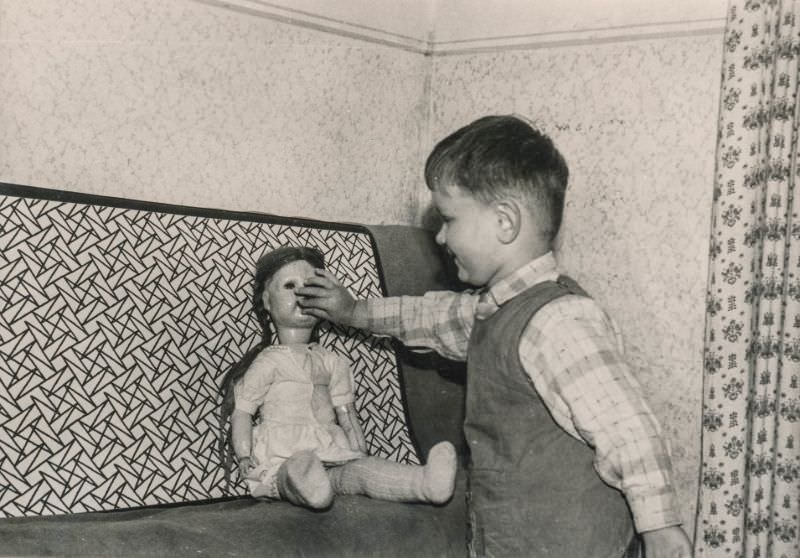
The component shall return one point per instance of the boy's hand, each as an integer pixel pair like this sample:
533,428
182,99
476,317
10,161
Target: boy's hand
669,542
325,297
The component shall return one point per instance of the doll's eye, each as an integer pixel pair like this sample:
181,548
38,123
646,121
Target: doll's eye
290,285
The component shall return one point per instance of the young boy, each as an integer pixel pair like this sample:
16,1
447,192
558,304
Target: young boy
554,418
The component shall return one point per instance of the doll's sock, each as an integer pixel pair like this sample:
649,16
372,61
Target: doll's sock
387,480
302,480
439,476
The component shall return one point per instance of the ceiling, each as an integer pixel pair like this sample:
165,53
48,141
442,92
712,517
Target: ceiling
441,26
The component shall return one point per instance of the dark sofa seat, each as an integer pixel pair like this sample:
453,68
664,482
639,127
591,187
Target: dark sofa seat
244,527
432,392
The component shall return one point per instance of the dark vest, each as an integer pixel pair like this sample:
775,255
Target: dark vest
533,489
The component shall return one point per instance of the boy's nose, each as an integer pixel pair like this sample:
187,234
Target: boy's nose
440,236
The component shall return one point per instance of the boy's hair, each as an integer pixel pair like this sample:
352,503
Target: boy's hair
266,266
497,157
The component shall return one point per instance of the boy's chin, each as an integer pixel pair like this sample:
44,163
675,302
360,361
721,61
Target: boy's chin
468,278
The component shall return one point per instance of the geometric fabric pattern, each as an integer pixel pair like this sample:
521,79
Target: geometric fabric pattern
118,320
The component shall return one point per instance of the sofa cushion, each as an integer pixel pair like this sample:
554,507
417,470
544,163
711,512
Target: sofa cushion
354,527
118,320
433,386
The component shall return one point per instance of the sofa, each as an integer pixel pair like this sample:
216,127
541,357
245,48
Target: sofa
118,319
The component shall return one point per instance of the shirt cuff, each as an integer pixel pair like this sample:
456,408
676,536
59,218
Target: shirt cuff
655,510
377,315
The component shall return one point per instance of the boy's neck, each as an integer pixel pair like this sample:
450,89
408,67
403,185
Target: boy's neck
517,259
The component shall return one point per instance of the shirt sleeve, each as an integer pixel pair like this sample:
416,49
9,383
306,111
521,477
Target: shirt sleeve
249,392
576,363
341,386
439,320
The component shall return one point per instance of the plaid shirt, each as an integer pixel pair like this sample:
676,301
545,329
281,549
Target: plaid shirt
573,353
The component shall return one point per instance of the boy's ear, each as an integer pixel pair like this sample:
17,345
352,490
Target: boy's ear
509,220
265,299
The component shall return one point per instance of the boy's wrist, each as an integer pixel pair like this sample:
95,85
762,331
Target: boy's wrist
359,316
671,541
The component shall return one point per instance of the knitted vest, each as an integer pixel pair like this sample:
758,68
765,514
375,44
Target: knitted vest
533,489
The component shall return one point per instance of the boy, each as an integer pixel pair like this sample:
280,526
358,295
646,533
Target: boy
554,418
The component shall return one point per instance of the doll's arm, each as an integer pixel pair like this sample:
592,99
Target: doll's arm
242,435
348,420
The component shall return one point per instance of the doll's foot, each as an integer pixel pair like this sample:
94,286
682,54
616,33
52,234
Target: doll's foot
302,480
439,473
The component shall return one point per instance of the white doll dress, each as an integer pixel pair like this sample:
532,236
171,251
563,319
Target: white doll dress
296,388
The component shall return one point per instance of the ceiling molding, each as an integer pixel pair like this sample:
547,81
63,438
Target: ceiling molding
344,28
581,37
300,18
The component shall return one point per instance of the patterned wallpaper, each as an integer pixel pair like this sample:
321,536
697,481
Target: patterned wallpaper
636,122
181,102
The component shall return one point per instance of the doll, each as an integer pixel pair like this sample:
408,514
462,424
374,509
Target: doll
306,444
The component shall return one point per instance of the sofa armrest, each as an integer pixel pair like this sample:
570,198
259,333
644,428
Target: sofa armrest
432,386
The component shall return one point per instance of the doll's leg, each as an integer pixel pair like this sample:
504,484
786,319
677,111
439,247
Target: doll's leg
387,480
302,480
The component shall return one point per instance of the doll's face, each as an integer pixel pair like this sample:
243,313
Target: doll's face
280,299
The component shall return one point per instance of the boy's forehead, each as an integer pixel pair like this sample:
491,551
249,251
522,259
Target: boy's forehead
446,187
451,195
447,191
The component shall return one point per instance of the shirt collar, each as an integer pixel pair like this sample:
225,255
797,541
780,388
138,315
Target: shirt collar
540,269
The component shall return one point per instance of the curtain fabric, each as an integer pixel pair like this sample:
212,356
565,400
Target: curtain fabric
750,487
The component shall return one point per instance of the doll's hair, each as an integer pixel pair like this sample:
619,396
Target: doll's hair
266,266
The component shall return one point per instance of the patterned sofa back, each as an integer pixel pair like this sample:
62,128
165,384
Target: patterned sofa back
118,320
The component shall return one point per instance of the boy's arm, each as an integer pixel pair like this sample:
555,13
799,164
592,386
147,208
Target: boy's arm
575,361
441,321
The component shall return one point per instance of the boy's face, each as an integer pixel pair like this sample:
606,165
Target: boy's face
469,232
280,299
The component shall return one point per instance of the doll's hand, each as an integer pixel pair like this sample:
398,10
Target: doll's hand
325,297
247,464
669,542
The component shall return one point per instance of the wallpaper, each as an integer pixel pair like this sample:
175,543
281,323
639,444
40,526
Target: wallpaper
182,102
636,122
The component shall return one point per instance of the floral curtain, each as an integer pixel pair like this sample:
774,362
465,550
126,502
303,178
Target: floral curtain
750,477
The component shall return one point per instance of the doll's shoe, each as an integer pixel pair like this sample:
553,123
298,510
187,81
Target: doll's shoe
439,473
302,480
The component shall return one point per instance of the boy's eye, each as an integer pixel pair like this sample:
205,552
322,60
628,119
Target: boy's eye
290,285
